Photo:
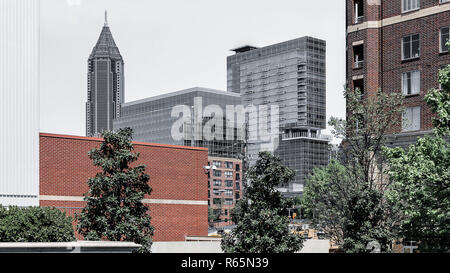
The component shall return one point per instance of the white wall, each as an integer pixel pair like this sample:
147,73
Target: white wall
19,102
310,246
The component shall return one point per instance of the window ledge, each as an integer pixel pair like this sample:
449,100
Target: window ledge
409,11
410,59
411,95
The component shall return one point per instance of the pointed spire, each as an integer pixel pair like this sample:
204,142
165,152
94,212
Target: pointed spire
105,46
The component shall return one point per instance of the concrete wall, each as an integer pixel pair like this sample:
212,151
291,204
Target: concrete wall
69,247
310,246
19,102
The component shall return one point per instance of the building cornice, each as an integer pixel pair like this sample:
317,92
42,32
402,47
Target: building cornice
399,18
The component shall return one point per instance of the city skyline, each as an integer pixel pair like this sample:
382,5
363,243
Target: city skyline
67,16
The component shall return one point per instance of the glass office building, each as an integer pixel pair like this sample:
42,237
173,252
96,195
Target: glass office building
152,120
291,75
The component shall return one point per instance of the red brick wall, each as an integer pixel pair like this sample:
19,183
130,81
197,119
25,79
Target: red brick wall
383,64
226,219
176,173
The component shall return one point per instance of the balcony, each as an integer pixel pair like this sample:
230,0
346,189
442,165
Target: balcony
359,19
358,64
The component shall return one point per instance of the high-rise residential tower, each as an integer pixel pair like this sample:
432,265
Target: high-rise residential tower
290,75
105,84
398,46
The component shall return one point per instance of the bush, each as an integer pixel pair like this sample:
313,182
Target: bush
35,224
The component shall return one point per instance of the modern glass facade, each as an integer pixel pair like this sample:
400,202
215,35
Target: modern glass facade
152,121
291,75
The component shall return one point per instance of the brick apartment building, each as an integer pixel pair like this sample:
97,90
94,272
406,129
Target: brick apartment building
398,46
178,203
224,187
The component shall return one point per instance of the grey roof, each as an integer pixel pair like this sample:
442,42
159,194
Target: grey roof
181,92
106,47
244,48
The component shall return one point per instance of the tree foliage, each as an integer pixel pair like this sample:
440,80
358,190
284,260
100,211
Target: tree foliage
114,209
262,225
347,199
35,224
421,190
439,102
421,177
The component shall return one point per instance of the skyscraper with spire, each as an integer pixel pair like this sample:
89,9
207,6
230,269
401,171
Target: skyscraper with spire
105,84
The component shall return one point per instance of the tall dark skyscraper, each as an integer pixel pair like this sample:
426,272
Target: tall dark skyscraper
105,84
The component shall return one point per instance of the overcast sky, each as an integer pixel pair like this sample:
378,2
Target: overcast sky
172,45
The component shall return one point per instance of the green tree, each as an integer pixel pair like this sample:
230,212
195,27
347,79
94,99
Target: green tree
421,190
421,177
35,224
347,199
262,225
114,209
439,102
213,216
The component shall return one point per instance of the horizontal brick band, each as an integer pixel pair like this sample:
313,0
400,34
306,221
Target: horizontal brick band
146,201
399,18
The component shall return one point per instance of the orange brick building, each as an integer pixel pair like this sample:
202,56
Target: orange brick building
179,200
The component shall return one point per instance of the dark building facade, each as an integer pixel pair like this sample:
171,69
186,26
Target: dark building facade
292,76
105,84
398,46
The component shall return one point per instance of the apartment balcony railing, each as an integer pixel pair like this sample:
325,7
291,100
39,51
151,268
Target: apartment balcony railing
358,64
359,19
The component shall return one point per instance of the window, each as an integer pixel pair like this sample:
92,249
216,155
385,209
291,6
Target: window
411,119
359,11
217,182
444,37
411,83
228,192
411,47
217,201
228,174
229,183
359,85
444,1
238,168
229,165
217,173
238,177
409,5
228,202
238,186
238,196
218,164
358,56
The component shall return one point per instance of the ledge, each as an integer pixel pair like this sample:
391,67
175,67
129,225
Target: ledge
69,247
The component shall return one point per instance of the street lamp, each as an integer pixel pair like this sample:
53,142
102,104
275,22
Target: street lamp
208,168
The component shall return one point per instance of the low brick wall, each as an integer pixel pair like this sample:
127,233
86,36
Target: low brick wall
179,200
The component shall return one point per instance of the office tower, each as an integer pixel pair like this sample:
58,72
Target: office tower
398,46
105,84
292,76
152,120
19,103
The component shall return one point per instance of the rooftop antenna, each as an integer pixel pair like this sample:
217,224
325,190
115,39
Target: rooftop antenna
106,18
